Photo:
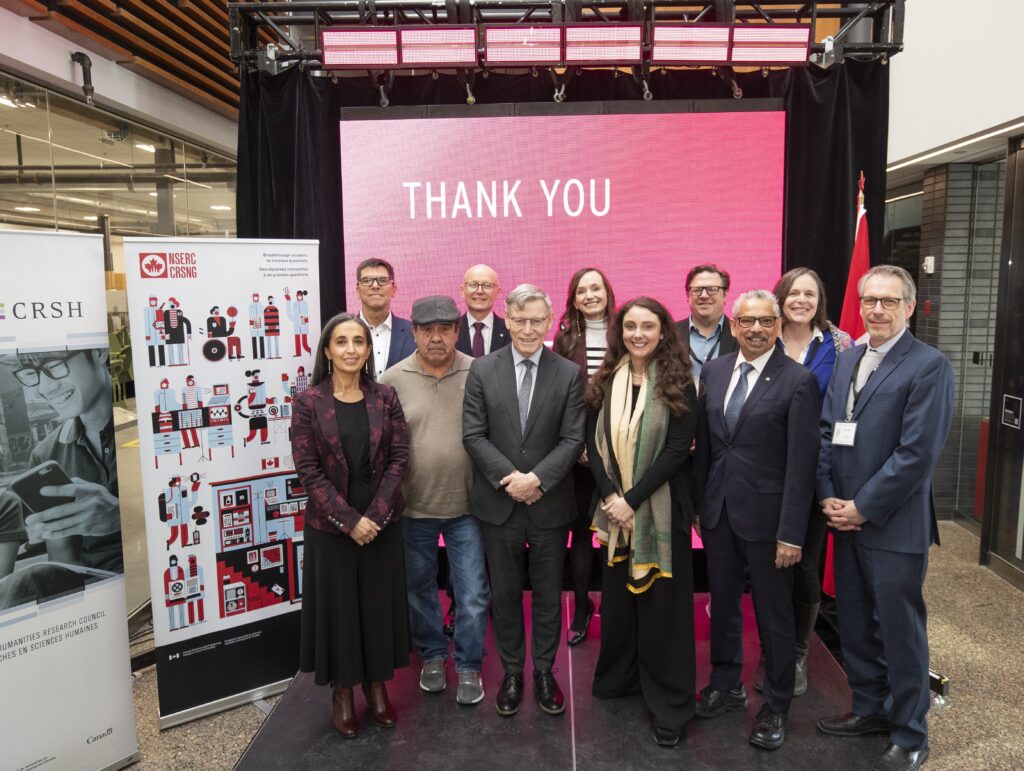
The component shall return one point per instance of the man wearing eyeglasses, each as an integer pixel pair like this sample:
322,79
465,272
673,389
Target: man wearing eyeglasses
480,330
705,334
884,423
391,336
757,445
522,425
87,529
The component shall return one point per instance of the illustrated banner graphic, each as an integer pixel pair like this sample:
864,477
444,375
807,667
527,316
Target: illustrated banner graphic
65,674
222,337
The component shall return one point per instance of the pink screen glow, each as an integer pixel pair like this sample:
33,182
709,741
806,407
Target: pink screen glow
669,192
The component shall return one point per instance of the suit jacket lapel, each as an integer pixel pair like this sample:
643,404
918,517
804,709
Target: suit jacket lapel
761,386
717,387
464,342
375,415
505,370
327,417
890,362
499,335
544,377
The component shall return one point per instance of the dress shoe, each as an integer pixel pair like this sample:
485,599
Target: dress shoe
343,713
548,694
578,633
854,725
381,711
770,729
895,758
510,695
713,702
665,737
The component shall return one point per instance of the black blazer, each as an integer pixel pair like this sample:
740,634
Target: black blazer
726,342
499,335
670,466
764,473
549,447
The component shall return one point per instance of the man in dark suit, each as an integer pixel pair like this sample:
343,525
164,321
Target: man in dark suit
756,451
884,423
522,425
391,336
706,333
480,330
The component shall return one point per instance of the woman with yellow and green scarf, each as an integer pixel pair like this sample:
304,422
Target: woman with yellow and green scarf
642,422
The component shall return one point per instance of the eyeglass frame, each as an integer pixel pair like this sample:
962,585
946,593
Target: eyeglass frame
520,322
473,286
44,369
369,281
874,301
696,291
757,320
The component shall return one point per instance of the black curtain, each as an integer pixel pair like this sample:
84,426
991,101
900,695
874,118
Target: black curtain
837,124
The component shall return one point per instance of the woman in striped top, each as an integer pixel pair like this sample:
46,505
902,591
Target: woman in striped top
582,337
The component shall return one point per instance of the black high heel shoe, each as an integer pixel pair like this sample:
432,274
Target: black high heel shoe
575,637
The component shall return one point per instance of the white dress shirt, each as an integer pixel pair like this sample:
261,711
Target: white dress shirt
759,364
517,360
870,361
487,331
381,339
818,335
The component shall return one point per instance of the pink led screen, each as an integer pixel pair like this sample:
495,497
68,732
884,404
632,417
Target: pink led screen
643,197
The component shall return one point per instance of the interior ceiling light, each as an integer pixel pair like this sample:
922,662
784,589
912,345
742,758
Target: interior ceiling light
438,46
145,147
691,44
600,44
220,207
359,48
6,102
528,44
90,218
770,44
26,208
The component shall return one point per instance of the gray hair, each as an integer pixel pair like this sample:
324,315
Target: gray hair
757,294
523,294
909,288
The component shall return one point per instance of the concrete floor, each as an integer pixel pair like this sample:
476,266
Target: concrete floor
976,622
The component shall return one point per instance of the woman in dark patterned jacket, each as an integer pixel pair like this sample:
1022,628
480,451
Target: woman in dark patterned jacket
351,446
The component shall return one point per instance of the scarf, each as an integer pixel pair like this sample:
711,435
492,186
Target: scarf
628,443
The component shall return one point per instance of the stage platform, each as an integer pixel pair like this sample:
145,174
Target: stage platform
434,732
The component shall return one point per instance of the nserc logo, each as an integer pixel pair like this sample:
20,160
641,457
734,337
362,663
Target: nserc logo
153,264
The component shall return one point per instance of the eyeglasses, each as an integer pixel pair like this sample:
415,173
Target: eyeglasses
55,369
695,291
520,322
889,303
475,286
766,322
369,281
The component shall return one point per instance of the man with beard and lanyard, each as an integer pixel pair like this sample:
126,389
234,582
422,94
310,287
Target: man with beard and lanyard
705,334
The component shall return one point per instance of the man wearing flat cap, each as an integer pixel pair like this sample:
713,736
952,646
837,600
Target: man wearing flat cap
430,384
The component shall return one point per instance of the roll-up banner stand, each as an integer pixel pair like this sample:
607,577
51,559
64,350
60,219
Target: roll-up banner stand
222,332
65,673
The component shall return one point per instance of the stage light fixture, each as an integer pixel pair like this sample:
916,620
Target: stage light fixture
438,46
359,48
691,44
535,44
604,44
770,44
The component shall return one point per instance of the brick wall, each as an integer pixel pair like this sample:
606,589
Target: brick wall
961,226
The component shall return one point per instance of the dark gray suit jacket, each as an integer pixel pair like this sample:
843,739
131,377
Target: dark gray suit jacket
549,447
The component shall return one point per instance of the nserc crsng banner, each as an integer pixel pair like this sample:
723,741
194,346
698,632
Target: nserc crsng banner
65,673
222,332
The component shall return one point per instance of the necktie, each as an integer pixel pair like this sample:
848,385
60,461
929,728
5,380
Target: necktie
739,395
524,394
478,339
872,358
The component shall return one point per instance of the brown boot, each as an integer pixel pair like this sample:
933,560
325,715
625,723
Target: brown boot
343,713
381,711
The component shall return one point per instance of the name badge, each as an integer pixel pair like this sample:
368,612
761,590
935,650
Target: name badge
843,433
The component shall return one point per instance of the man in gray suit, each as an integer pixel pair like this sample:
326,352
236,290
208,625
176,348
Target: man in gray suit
522,425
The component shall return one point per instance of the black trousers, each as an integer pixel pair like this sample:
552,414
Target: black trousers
581,552
807,572
505,546
727,555
647,640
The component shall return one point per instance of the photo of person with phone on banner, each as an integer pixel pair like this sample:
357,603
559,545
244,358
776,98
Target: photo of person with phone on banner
60,525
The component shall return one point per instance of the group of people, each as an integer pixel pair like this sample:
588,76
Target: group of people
763,430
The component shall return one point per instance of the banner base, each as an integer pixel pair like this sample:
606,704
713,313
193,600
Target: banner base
213,707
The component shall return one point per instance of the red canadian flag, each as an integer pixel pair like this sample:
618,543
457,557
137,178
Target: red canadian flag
852,323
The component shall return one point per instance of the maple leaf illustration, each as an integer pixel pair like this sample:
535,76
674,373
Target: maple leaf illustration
153,265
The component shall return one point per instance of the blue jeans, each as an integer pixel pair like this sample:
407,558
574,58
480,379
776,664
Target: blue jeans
465,549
